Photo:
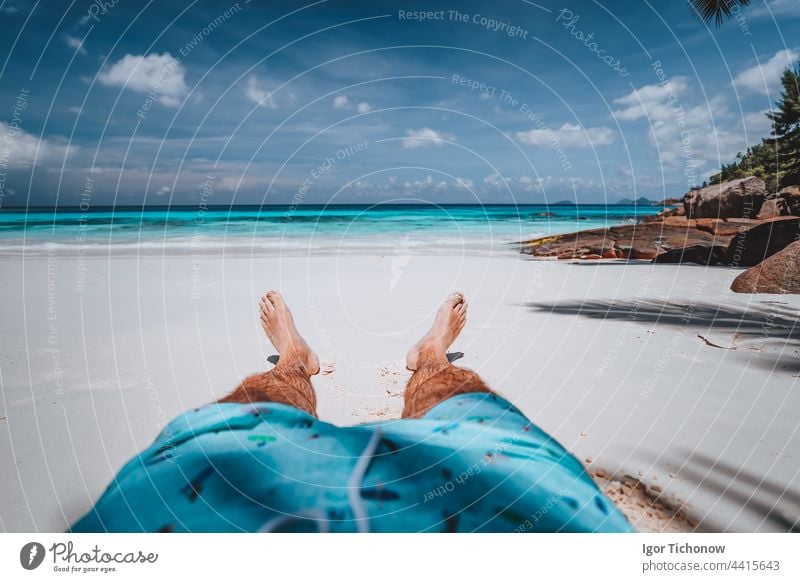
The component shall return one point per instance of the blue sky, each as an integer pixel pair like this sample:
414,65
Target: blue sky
359,102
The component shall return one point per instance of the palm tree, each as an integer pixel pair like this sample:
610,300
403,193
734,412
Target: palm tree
716,9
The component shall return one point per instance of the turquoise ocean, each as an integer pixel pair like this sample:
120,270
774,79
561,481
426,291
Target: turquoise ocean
265,230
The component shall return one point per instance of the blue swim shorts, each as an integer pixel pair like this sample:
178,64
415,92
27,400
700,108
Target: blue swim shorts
473,463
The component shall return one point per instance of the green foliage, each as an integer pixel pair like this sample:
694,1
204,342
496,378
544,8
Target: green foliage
786,127
776,160
759,160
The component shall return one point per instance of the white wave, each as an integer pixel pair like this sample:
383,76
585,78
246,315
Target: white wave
426,244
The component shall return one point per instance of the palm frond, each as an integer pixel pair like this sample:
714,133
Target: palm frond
716,9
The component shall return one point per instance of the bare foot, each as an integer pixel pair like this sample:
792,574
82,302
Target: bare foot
278,324
449,322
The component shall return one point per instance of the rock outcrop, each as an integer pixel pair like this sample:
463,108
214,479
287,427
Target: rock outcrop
724,227
703,254
678,239
772,208
780,273
635,241
791,198
665,213
740,198
762,241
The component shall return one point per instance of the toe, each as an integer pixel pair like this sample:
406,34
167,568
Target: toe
267,311
275,298
455,299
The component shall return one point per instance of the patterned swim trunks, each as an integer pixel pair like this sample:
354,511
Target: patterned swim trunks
473,463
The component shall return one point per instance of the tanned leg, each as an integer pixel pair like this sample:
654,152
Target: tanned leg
289,382
435,379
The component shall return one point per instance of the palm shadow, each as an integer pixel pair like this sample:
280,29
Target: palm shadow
757,494
773,322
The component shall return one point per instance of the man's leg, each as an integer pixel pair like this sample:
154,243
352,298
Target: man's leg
435,379
289,382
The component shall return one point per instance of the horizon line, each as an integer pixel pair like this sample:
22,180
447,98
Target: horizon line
296,207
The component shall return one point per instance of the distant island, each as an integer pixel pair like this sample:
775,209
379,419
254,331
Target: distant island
639,202
642,201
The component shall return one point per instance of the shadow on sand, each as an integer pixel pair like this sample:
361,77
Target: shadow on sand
767,500
773,323
773,320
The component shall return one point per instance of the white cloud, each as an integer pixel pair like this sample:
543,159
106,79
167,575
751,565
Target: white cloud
425,136
775,9
341,102
24,149
161,74
494,181
417,185
258,94
689,137
765,78
455,188
650,100
528,184
568,135
757,124
75,44
9,7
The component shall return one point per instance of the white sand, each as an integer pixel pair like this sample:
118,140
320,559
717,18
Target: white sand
89,376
